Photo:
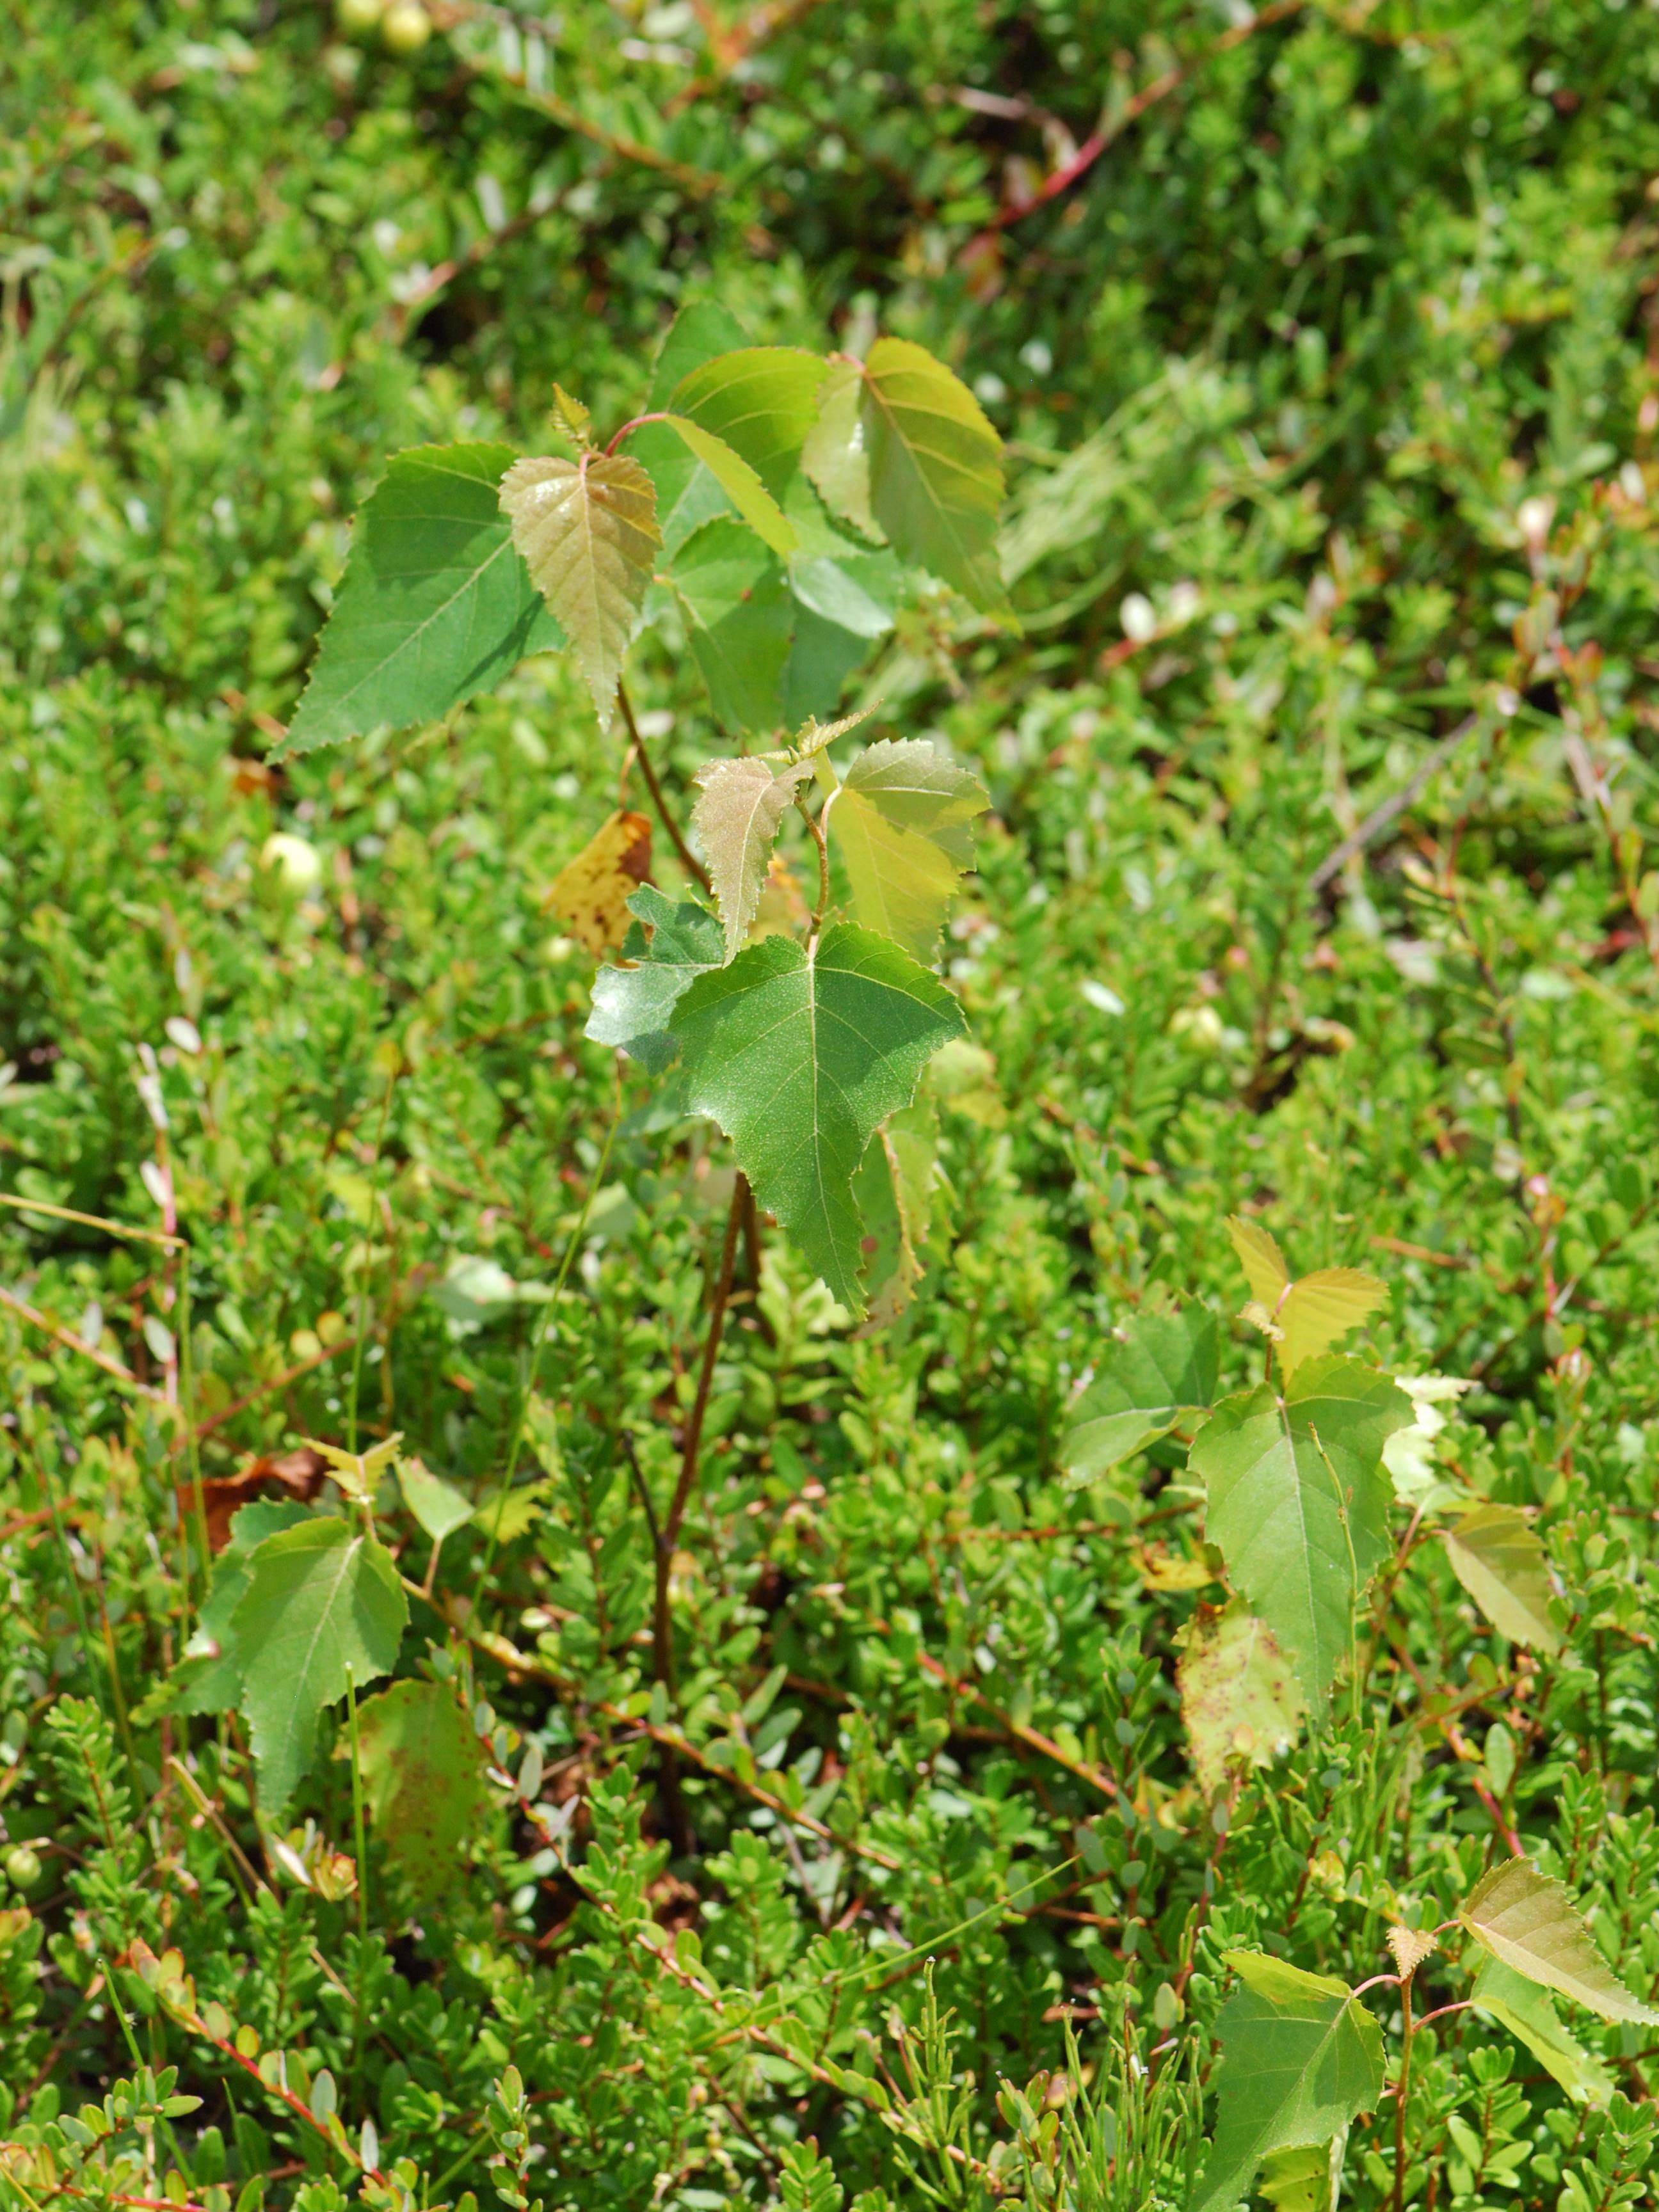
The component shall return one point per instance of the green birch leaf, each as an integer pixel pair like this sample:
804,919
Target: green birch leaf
422,1775
588,532
936,470
435,606
761,401
836,455
800,1061
632,1007
1240,1700
208,1678
1306,2179
1526,1920
902,827
1298,1502
739,482
740,804
698,334
323,1607
687,496
1502,1563
439,1507
894,1193
1162,1372
1525,2012
742,622
1301,2058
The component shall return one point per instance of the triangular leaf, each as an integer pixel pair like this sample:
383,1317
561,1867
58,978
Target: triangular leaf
836,455
1524,2010
1240,1699
739,805
1526,1919
936,470
632,1006
423,1782
434,605
1298,1502
1319,1308
1501,1562
902,827
590,893
1261,1260
1300,2058
800,1060
439,1507
740,483
742,621
208,1678
761,401
1163,1370
589,534
323,1608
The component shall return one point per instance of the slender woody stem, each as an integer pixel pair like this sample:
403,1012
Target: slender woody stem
688,859
1401,2093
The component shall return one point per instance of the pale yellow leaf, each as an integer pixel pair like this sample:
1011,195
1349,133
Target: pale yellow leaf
587,530
1261,1260
1501,1562
737,816
590,894
1161,1569
1411,1946
903,826
1241,1701
1528,1920
836,455
1319,1308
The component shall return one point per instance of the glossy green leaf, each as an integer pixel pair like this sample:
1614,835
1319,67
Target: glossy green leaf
742,622
435,606
800,1061
1300,2058
632,1007
936,470
761,401
741,486
901,825
1161,1371
1526,1920
1526,2013
1501,1561
209,1676
1298,1502
740,804
439,1507
1241,1702
588,532
836,454
323,1608
423,1774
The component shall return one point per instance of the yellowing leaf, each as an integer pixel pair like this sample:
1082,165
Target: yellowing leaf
1503,1566
736,817
1322,1308
1306,2179
1261,1260
590,893
894,1193
1161,1569
902,825
1309,1316
1526,1919
423,1781
588,532
1241,1701
740,483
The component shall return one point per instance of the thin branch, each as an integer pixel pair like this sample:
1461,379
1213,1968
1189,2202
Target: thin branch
688,859
1378,820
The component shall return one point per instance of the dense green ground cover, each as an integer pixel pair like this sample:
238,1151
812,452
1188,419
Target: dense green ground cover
1331,386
